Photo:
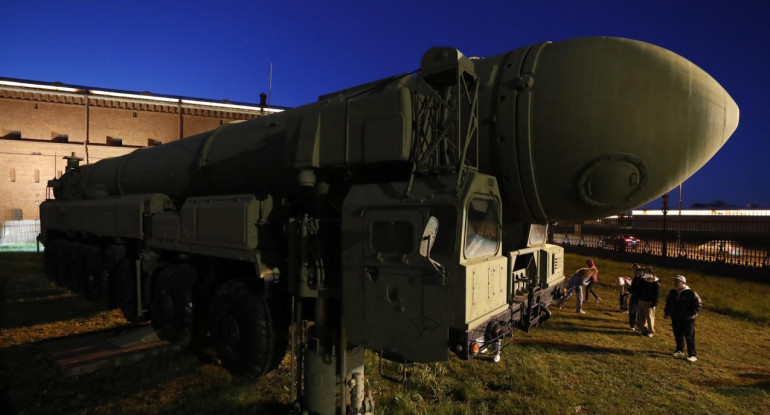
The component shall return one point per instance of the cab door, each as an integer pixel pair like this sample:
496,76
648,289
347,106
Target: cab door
485,267
393,284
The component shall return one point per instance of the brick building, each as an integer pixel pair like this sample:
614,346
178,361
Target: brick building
40,123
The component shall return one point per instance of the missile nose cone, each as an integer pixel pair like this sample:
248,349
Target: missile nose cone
732,115
611,124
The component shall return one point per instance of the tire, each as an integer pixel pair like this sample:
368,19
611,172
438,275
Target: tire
249,337
125,291
109,279
78,275
51,258
63,264
173,304
93,277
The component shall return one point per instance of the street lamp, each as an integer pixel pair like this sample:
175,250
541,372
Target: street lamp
665,212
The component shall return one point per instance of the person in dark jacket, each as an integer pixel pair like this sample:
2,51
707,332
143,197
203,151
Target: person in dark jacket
648,300
683,305
633,290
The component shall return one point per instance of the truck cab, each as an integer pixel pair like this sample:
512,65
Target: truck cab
425,271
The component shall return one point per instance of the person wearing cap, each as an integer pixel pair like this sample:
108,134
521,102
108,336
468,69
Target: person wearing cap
648,300
634,290
683,305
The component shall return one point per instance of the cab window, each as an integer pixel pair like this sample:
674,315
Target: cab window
481,228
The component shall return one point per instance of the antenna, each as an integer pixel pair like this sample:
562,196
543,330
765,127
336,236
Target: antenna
270,85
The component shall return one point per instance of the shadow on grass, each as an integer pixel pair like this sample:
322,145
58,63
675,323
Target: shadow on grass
609,330
577,348
739,314
13,262
27,298
17,314
761,385
215,401
747,389
589,316
38,293
577,327
31,383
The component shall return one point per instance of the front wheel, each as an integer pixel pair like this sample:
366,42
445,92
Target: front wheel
249,334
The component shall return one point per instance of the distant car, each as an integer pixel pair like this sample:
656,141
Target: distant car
621,242
719,247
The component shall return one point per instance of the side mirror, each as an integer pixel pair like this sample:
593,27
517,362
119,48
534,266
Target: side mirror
428,237
426,245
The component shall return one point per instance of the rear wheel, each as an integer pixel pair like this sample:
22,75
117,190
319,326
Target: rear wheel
173,302
51,258
63,263
93,277
78,275
250,336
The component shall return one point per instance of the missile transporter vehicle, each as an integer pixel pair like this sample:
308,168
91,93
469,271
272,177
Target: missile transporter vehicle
407,216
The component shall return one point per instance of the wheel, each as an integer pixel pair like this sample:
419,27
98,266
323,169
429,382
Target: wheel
173,302
51,258
249,336
125,294
63,263
108,276
78,274
93,277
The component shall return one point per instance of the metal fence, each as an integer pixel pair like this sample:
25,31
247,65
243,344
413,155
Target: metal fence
19,231
732,237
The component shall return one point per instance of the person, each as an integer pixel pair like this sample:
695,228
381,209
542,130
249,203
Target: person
579,279
594,279
633,291
590,288
648,299
623,283
683,305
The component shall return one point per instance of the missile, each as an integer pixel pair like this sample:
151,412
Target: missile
573,130
586,128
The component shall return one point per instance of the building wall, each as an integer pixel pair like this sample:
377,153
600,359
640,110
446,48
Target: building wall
196,124
26,166
42,116
42,120
135,127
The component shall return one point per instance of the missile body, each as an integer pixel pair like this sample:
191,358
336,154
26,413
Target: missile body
576,129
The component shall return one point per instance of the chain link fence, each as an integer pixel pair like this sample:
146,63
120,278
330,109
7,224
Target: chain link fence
19,231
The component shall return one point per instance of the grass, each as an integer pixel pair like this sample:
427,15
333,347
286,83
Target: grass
574,364
21,247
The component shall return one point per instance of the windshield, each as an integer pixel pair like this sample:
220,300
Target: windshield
481,228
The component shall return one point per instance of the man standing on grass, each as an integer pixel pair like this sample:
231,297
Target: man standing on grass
635,291
683,305
648,300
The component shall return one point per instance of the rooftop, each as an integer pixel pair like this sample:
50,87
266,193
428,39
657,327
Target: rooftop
95,92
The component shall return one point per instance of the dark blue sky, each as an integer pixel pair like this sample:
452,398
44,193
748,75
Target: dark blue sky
223,49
